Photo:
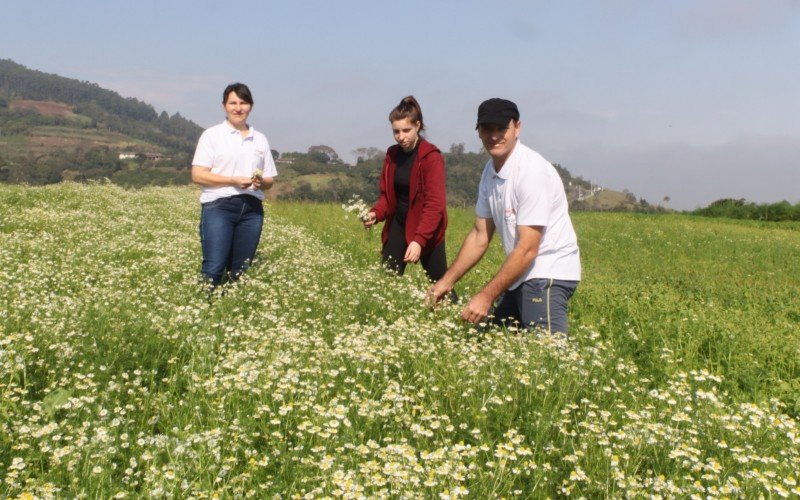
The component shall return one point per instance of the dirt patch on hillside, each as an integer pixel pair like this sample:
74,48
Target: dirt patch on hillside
45,108
52,140
610,200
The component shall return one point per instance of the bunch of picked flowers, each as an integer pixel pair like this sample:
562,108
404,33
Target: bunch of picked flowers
357,206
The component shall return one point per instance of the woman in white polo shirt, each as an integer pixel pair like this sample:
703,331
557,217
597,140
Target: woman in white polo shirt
233,162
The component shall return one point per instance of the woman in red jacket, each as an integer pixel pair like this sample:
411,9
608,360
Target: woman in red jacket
412,197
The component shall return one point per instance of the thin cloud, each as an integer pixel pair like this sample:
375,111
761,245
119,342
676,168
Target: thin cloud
164,91
761,169
552,107
525,31
736,18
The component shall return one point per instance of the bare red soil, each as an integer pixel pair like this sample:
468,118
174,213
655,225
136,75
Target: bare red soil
45,108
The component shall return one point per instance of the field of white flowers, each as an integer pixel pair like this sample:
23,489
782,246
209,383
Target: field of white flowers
317,375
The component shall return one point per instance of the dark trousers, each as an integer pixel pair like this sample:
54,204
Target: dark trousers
230,229
434,262
536,303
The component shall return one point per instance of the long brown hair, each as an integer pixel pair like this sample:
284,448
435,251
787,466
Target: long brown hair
408,108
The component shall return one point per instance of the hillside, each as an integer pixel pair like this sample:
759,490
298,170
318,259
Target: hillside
54,128
306,177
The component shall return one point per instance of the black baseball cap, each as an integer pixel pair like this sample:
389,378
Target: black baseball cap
496,111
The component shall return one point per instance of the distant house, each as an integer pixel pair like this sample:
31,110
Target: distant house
156,156
582,194
127,155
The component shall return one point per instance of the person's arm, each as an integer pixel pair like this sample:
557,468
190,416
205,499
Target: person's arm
520,259
471,251
433,182
380,207
379,211
266,179
205,177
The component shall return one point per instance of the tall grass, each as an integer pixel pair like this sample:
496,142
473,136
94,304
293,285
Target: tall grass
320,375
719,294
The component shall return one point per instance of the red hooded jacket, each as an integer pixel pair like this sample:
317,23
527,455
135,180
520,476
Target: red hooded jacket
427,205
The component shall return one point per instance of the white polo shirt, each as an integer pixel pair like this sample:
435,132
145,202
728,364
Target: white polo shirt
222,149
529,192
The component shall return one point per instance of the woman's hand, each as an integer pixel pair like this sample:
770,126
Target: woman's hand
413,252
262,183
241,182
369,220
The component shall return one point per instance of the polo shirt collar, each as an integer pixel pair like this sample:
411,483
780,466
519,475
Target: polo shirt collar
505,172
232,130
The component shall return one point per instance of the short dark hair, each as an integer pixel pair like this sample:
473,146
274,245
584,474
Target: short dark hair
241,91
408,108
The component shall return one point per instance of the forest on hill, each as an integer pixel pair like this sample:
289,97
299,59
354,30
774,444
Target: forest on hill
54,128
313,176
105,109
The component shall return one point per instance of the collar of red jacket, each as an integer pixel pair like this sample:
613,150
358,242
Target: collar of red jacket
424,148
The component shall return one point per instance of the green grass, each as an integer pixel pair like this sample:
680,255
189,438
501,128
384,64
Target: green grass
72,133
719,294
72,136
318,181
320,375
12,141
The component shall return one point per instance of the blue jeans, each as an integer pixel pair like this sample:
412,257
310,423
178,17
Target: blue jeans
537,303
230,229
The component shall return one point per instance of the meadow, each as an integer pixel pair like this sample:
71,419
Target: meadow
319,375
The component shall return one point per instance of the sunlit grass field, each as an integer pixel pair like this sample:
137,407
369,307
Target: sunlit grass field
318,375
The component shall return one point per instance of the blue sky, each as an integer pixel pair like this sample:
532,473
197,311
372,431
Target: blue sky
692,100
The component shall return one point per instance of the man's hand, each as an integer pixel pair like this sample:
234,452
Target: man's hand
478,308
437,292
413,252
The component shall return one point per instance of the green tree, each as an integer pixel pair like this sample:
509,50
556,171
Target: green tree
457,149
366,154
324,154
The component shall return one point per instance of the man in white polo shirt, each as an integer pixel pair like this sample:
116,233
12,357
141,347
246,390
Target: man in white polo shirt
522,197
